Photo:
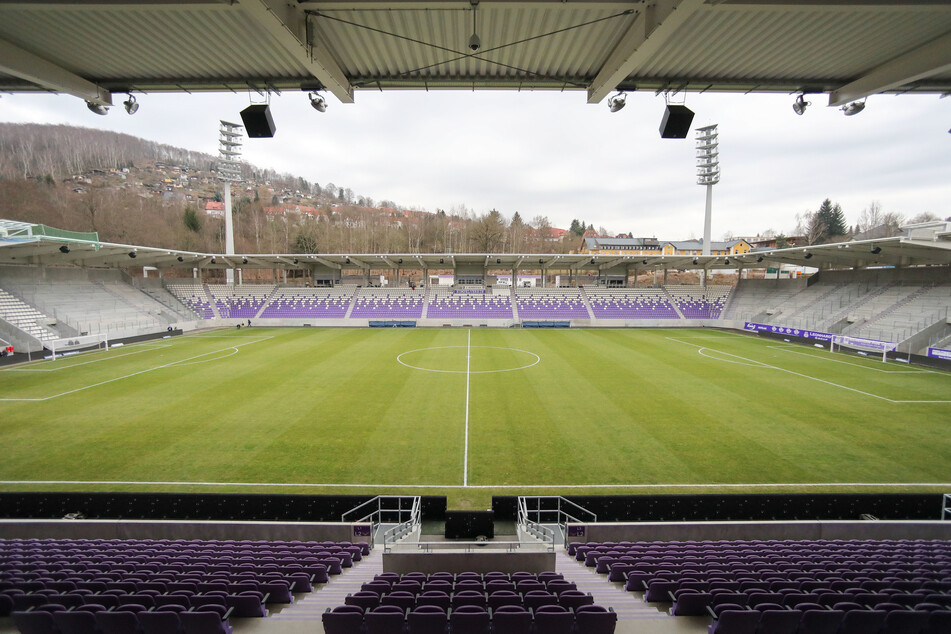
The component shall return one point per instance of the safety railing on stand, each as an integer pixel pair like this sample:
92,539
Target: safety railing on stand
397,513
552,512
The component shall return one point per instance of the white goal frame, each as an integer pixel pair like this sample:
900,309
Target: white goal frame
78,343
862,345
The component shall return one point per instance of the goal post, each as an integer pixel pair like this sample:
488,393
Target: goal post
861,346
79,343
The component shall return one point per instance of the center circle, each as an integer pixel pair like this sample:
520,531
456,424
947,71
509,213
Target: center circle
453,359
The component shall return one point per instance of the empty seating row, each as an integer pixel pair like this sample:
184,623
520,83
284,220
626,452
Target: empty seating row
630,304
532,599
90,619
773,619
551,303
429,619
246,603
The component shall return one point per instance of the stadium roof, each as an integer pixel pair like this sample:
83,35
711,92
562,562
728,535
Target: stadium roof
846,48
40,248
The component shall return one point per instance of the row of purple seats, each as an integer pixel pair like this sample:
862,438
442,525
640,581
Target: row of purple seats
569,599
772,619
137,546
129,620
554,584
488,576
244,602
430,619
686,601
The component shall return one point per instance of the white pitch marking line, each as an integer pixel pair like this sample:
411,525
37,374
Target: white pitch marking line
465,458
67,366
826,358
768,485
119,378
804,376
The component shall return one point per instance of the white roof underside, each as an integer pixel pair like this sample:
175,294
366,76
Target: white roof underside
847,48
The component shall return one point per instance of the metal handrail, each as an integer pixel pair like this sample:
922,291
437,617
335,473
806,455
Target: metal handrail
401,530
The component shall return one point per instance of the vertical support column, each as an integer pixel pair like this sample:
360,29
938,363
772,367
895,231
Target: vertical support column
285,275
514,274
665,277
635,278
654,282
229,230
424,281
240,276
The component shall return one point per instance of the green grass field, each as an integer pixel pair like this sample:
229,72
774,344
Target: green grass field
469,414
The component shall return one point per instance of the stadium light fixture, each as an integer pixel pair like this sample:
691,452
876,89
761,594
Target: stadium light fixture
181,259
726,260
440,260
244,260
696,261
133,254
807,255
541,261
475,42
317,102
399,261
851,109
98,108
801,104
64,249
348,261
212,260
498,260
592,260
876,249
618,101
296,260
759,259
131,106
644,261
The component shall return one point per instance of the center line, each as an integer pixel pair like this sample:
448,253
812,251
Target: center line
465,458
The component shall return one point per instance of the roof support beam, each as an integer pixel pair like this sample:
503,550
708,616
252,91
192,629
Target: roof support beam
654,25
25,65
287,25
931,59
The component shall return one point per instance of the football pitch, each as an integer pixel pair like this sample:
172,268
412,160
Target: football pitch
472,413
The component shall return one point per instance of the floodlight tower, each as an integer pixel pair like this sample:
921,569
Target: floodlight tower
708,173
229,171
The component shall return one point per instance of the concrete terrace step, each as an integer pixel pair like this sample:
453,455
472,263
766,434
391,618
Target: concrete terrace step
628,605
332,594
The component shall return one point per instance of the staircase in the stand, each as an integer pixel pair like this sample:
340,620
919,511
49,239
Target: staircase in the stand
329,595
629,606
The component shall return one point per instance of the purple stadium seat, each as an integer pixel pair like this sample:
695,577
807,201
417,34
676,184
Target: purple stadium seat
246,604
511,619
939,622
364,599
400,598
159,622
76,622
35,622
535,599
343,619
690,603
820,621
553,619
118,622
574,599
435,597
204,622
385,619
425,619
779,621
862,622
469,619
735,622
595,619
469,597
904,622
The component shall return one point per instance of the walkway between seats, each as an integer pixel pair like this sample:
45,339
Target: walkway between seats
330,595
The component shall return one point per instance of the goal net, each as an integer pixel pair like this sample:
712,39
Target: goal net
864,347
79,343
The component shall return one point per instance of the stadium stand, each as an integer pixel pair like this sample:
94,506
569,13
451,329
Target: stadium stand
551,303
388,303
698,302
195,296
25,317
321,303
630,303
240,301
795,577
469,302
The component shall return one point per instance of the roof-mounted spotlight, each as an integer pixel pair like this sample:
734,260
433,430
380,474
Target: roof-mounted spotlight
876,249
441,260
759,259
696,261
498,260
799,107
131,106
399,261
133,254
807,255
98,108
64,249
348,261
592,260
212,260
645,261
296,260
244,260
180,259
618,101
851,109
726,260
317,102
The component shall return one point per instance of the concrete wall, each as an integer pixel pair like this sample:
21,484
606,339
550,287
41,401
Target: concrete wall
145,529
485,561
663,531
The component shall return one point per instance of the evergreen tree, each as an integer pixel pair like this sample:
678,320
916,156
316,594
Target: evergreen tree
191,219
832,219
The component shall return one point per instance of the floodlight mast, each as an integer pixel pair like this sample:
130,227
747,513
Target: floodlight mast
708,174
229,171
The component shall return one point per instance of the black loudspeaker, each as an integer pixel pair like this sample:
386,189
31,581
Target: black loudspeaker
676,122
470,524
258,122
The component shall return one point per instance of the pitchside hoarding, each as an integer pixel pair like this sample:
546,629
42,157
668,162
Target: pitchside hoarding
782,330
939,353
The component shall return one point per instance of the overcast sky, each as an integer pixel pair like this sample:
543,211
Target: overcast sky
552,154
